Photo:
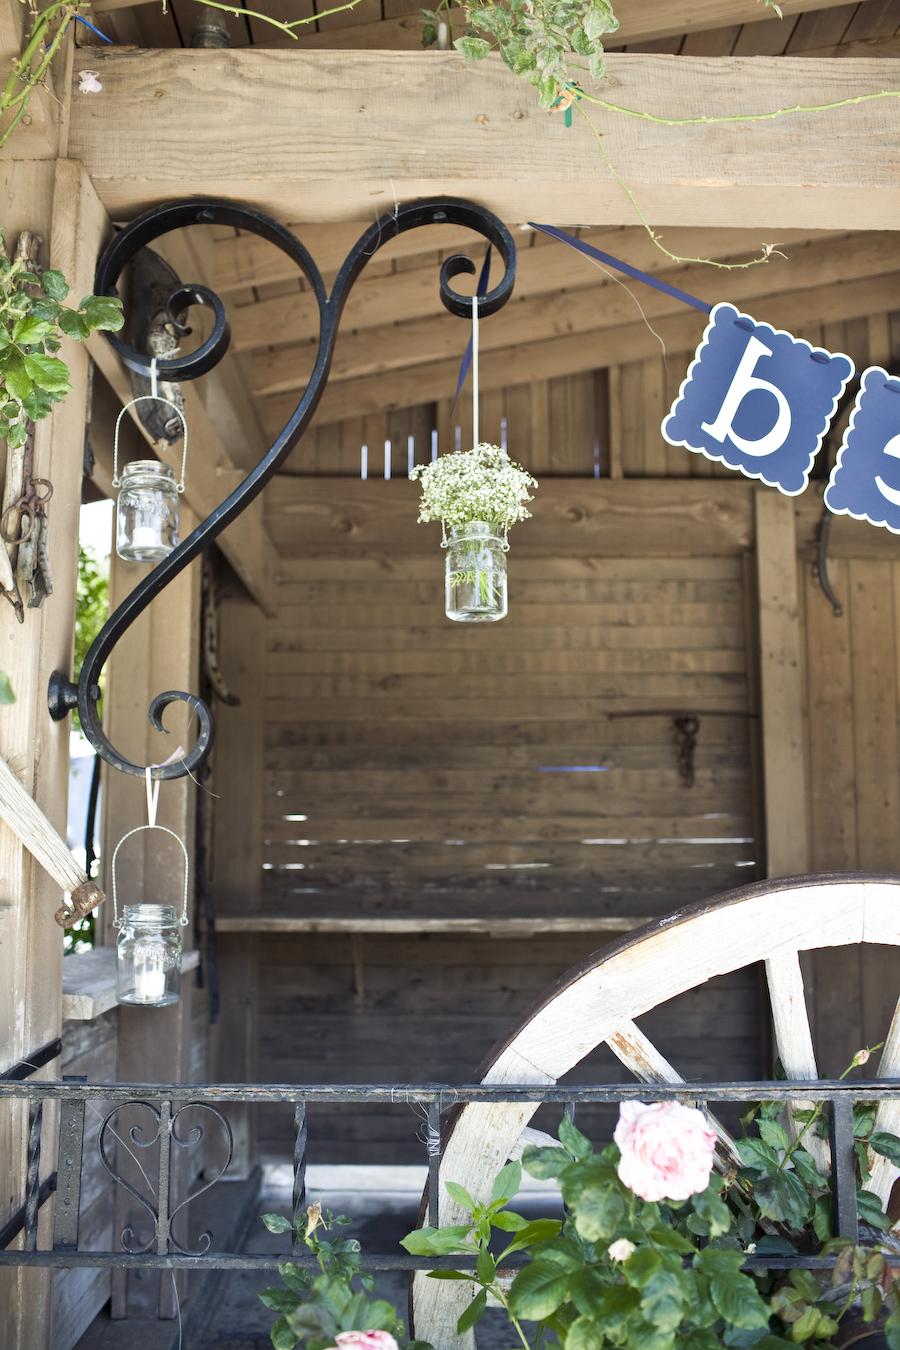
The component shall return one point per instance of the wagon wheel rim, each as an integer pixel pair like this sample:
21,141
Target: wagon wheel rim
596,1002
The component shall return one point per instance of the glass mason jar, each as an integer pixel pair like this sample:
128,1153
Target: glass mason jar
147,512
148,956
475,573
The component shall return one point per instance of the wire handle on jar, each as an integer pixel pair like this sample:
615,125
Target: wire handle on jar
183,921
153,397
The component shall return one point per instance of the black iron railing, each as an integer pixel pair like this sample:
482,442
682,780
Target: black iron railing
166,1110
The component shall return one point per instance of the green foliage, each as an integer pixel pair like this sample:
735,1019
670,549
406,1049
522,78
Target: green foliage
622,1272
315,1304
33,320
91,604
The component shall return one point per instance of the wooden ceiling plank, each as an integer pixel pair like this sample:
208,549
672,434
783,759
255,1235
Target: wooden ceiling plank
337,153
585,351
294,318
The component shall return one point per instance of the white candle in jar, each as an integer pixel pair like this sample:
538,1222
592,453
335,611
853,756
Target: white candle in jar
145,536
149,983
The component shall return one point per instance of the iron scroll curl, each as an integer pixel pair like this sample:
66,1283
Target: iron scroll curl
64,695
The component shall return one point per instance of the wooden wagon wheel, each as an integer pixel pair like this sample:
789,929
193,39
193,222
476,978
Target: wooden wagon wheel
597,1001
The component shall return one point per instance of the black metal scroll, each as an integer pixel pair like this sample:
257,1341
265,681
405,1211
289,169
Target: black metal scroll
64,695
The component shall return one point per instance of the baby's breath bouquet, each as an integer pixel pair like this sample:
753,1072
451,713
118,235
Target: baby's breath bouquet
476,495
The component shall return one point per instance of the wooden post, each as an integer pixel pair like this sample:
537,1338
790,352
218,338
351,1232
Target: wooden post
58,202
237,851
159,652
781,687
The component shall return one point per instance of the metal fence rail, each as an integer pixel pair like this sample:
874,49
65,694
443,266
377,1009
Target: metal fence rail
165,1106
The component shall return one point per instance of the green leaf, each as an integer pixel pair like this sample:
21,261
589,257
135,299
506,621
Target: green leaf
599,1211
892,1331
279,1300
6,690
17,380
774,1134
507,1183
508,1222
29,330
871,1302
473,1313
756,1153
54,285
538,1290
738,1301
544,1163
460,1195
807,1325
672,1240
48,372
539,1230
719,1261
614,1308
573,1140
584,1334
888,1145
74,325
103,311
485,1267
277,1223
436,1241
712,1210
473,48
281,1335
45,309
783,1197
379,1315
663,1301
450,1275
870,1210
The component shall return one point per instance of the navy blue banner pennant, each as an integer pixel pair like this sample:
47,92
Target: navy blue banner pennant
634,272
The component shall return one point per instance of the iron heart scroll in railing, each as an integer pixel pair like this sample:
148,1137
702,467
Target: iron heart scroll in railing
163,1127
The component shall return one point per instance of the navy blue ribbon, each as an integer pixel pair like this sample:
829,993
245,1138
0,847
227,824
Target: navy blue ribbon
634,272
480,290
81,19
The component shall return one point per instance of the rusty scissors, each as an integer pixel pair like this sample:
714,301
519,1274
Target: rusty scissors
18,522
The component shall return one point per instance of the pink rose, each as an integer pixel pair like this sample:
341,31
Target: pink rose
366,1340
667,1150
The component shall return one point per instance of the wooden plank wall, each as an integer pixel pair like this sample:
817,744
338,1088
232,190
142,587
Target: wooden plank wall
419,768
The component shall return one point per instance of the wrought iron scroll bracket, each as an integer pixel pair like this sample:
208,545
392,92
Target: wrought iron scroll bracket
64,695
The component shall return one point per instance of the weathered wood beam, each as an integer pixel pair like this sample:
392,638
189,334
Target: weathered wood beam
599,517
544,267
599,305
37,135
679,331
346,144
639,21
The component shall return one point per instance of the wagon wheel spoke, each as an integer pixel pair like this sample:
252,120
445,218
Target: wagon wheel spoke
629,1044
884,1173
793,1038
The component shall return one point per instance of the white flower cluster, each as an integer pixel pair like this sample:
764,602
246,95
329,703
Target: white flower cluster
480,484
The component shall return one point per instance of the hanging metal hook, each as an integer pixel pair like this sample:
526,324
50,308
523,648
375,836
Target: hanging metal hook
64,695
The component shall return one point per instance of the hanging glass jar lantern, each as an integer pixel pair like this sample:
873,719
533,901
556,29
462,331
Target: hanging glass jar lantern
147,509
149,945
475,573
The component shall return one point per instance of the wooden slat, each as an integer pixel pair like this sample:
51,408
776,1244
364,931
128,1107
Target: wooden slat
836,169
787,847
794,1040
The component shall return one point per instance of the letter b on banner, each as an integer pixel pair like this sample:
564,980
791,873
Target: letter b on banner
757,399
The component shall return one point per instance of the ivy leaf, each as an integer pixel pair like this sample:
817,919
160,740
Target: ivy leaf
774,1134
54,285
279,1300
738,1301
473,1313
888,1145
538,1290
103,311
6,690
48,373
473,48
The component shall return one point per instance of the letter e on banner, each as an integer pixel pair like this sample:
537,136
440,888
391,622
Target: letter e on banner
758,400
865,481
